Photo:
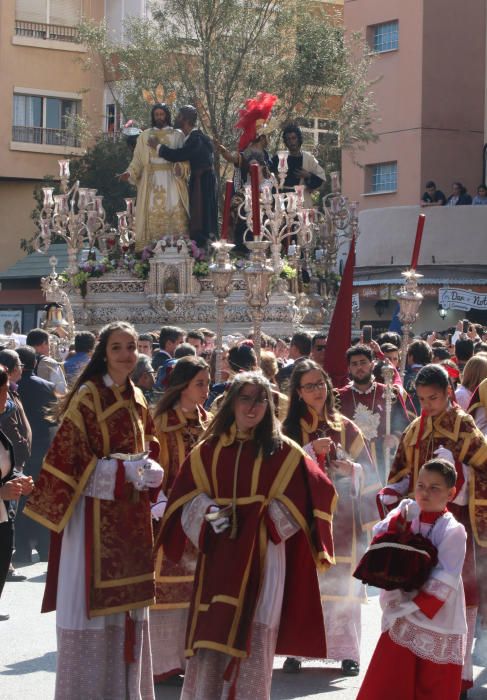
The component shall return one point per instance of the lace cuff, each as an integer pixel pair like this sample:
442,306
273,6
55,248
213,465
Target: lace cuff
193,517
309,449
283,521
437,588
101,483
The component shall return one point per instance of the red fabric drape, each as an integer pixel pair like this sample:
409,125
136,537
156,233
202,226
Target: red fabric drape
340,334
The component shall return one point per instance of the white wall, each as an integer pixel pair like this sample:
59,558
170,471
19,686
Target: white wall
452,235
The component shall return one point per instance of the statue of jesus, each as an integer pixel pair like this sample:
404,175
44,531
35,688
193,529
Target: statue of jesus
162,206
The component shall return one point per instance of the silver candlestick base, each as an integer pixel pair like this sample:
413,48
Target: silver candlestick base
410,299
221,273
258,275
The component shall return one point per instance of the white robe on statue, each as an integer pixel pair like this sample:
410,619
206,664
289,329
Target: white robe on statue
162,194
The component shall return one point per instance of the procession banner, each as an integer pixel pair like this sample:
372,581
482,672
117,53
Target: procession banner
464,299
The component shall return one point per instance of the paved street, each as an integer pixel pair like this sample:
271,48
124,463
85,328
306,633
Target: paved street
28,657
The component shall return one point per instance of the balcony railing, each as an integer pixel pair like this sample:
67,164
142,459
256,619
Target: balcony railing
55,32
48,137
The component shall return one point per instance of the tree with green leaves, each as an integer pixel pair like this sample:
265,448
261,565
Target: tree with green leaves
216,53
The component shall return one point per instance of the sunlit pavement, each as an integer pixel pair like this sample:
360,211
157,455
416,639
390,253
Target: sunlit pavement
28,653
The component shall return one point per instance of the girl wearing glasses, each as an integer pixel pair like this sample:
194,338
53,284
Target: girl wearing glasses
338,447
245,497
179,421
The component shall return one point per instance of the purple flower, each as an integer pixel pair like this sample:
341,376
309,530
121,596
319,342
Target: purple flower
145,254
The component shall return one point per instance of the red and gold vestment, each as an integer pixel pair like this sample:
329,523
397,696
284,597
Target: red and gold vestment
232,471
100,420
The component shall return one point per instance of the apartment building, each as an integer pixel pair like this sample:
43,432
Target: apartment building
43,87
429,63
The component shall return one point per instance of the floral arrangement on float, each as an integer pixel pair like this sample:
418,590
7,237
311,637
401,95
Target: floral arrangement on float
119,259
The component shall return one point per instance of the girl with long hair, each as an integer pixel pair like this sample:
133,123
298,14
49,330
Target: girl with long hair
338,447
93,493
248,498
179,419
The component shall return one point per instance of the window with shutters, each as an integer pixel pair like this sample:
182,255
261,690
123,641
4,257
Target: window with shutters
48,19
45,120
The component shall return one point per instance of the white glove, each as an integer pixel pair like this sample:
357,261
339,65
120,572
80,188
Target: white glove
159,508
443,453
387,499
220,524
410,510
144,473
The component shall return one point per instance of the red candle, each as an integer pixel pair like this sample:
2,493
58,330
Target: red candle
254,181
226,209
417,242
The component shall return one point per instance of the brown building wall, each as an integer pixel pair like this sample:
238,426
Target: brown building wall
453,93
50,68
429,97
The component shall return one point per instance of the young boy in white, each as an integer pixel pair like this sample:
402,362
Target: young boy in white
420,653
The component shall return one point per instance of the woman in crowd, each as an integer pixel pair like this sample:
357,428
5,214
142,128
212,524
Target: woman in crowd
474,372
94,493
179,421
459,196
259,512
12,487
338,446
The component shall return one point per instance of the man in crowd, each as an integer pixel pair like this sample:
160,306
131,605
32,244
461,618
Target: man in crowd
210,339
463,351
364,402
299,349
318,347
84,344
198,150
432,197
45,366
391,352
197,340
169,338
144,344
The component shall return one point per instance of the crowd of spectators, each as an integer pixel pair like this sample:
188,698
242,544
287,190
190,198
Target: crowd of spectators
433,197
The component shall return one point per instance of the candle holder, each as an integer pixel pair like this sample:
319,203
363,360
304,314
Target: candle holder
221,273
282,217
258,274
126,225
410,299
61,329
76,215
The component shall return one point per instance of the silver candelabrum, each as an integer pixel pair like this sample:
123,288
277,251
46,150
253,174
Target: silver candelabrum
335,225
410,299
257,275
77,216
221,273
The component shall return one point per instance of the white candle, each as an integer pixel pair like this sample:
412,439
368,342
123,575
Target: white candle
63,168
